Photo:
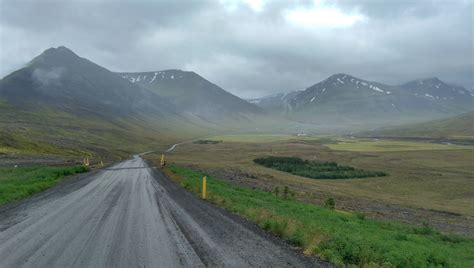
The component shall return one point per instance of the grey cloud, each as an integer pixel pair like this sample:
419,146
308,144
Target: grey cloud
47,77
248,53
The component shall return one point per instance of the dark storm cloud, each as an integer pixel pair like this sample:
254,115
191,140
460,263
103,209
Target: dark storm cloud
251,48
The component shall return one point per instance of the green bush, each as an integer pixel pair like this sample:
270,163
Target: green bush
315,169
330,203
360,216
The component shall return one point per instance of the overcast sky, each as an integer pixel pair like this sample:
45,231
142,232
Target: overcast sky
251,47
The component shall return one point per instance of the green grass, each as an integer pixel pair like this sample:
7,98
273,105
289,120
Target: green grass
339,237
315,169
18,183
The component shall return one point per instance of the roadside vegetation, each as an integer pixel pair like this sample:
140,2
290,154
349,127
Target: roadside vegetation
340,237
315,169
21,182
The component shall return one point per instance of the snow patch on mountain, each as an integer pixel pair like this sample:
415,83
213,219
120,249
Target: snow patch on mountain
154,77
150,77
376,88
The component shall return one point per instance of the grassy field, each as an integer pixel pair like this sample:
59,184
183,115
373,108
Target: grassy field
376,145
21,182
257,138
456,127
342,143
340,237
427,181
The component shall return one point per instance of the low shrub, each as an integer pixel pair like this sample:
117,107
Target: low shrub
315,169
330,203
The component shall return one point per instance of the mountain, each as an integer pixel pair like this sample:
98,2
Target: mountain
460,127
279,103
441,92
193,95
59,78
345,99
60,102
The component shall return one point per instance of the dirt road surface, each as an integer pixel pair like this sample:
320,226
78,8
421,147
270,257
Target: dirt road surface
130,215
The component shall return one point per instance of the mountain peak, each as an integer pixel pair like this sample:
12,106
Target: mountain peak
55,56
62,50
340,75
431,80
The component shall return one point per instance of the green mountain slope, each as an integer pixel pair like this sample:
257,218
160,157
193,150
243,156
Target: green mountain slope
457,127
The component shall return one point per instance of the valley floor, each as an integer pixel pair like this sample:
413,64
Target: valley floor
427,184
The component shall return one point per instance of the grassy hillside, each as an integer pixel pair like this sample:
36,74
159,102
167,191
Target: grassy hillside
49,131
457,127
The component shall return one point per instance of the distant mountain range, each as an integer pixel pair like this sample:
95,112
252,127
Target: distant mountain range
64,100
342,98
193,95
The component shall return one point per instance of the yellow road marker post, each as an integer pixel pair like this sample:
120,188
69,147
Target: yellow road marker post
204,187
163,161
86,161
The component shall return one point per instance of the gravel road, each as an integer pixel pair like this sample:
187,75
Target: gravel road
130,215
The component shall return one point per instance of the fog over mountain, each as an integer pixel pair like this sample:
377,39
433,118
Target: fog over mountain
252,48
